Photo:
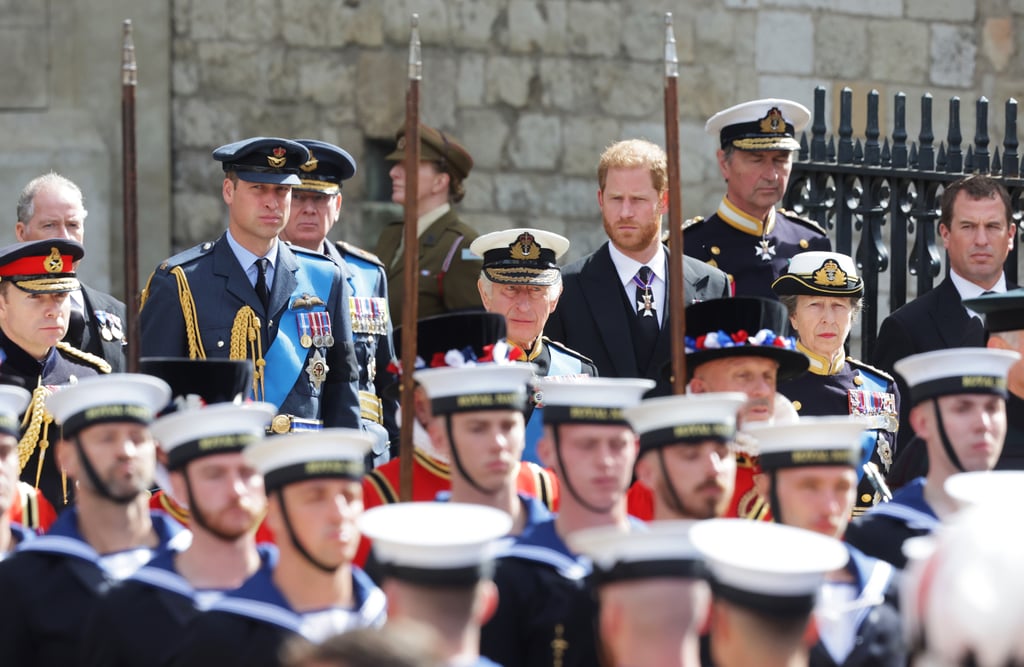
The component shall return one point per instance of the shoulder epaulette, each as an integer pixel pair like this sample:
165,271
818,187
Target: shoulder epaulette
305,253
693,222
350,249
186,256
806,222
871,369
93,360
571,352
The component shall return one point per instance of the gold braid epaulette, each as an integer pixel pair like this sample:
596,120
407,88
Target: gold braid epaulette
188,312
245,339
35,429
94,360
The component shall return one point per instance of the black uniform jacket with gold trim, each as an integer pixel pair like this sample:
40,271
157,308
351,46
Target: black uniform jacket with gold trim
105,329
739,253
220,288
50,586
62,365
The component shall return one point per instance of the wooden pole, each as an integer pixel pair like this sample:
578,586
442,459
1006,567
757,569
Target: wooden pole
129,82
410,305
676,297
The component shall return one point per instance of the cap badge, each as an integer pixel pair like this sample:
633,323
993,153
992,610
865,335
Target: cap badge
310,166
54,263
524,247
830,274
278,159
401,143
773,123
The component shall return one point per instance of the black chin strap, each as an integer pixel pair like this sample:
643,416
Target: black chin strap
95,480
674,502
773,498
295,540
196,514
457,460
947,446
567,483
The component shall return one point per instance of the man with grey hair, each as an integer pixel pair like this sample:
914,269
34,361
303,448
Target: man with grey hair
521,281
52,207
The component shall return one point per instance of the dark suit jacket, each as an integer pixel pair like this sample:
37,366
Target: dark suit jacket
113,350
936,320
220,288
592,319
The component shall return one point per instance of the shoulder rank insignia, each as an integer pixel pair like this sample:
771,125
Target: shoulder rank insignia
359,252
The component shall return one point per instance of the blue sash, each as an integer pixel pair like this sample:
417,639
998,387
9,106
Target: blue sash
286,356
869,439
561,364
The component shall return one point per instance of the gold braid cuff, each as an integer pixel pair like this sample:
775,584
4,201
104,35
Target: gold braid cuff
247,343
188,312
93,360
35,427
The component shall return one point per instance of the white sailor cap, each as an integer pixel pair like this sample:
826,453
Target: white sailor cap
685,418
984,487
959,370
217,429
811,441
962,599
296,457
760,125
121,397
590,400
435,543
766,567
13,401
489,386
661,549
521,256
818,272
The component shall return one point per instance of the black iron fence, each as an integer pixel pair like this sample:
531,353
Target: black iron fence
879,196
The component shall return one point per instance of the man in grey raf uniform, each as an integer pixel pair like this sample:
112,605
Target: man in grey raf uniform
316,207
246,296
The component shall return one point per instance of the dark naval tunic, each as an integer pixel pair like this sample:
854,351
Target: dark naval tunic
52,583
848,386
871,618
63,365
545,614
882,531
140,621
753,253
249,627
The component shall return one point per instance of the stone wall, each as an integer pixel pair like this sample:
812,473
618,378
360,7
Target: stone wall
536,89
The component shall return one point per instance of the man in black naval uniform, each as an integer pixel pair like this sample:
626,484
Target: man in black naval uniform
1004,321
521,281
247,296
614,303
545,615
35,279
140,621
314,591
52,207
52,582
747,237
810,476
959,412
316,206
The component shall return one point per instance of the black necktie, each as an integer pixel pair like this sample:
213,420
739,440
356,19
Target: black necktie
261,282
646,316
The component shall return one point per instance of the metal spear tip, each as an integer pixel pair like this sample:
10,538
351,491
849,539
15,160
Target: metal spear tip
668,18
415,21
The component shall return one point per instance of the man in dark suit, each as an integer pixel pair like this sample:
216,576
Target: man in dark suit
613,305
247,296
977,232
51,206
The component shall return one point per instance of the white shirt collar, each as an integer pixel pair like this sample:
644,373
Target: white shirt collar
246,258
627,267
969,290
430,218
